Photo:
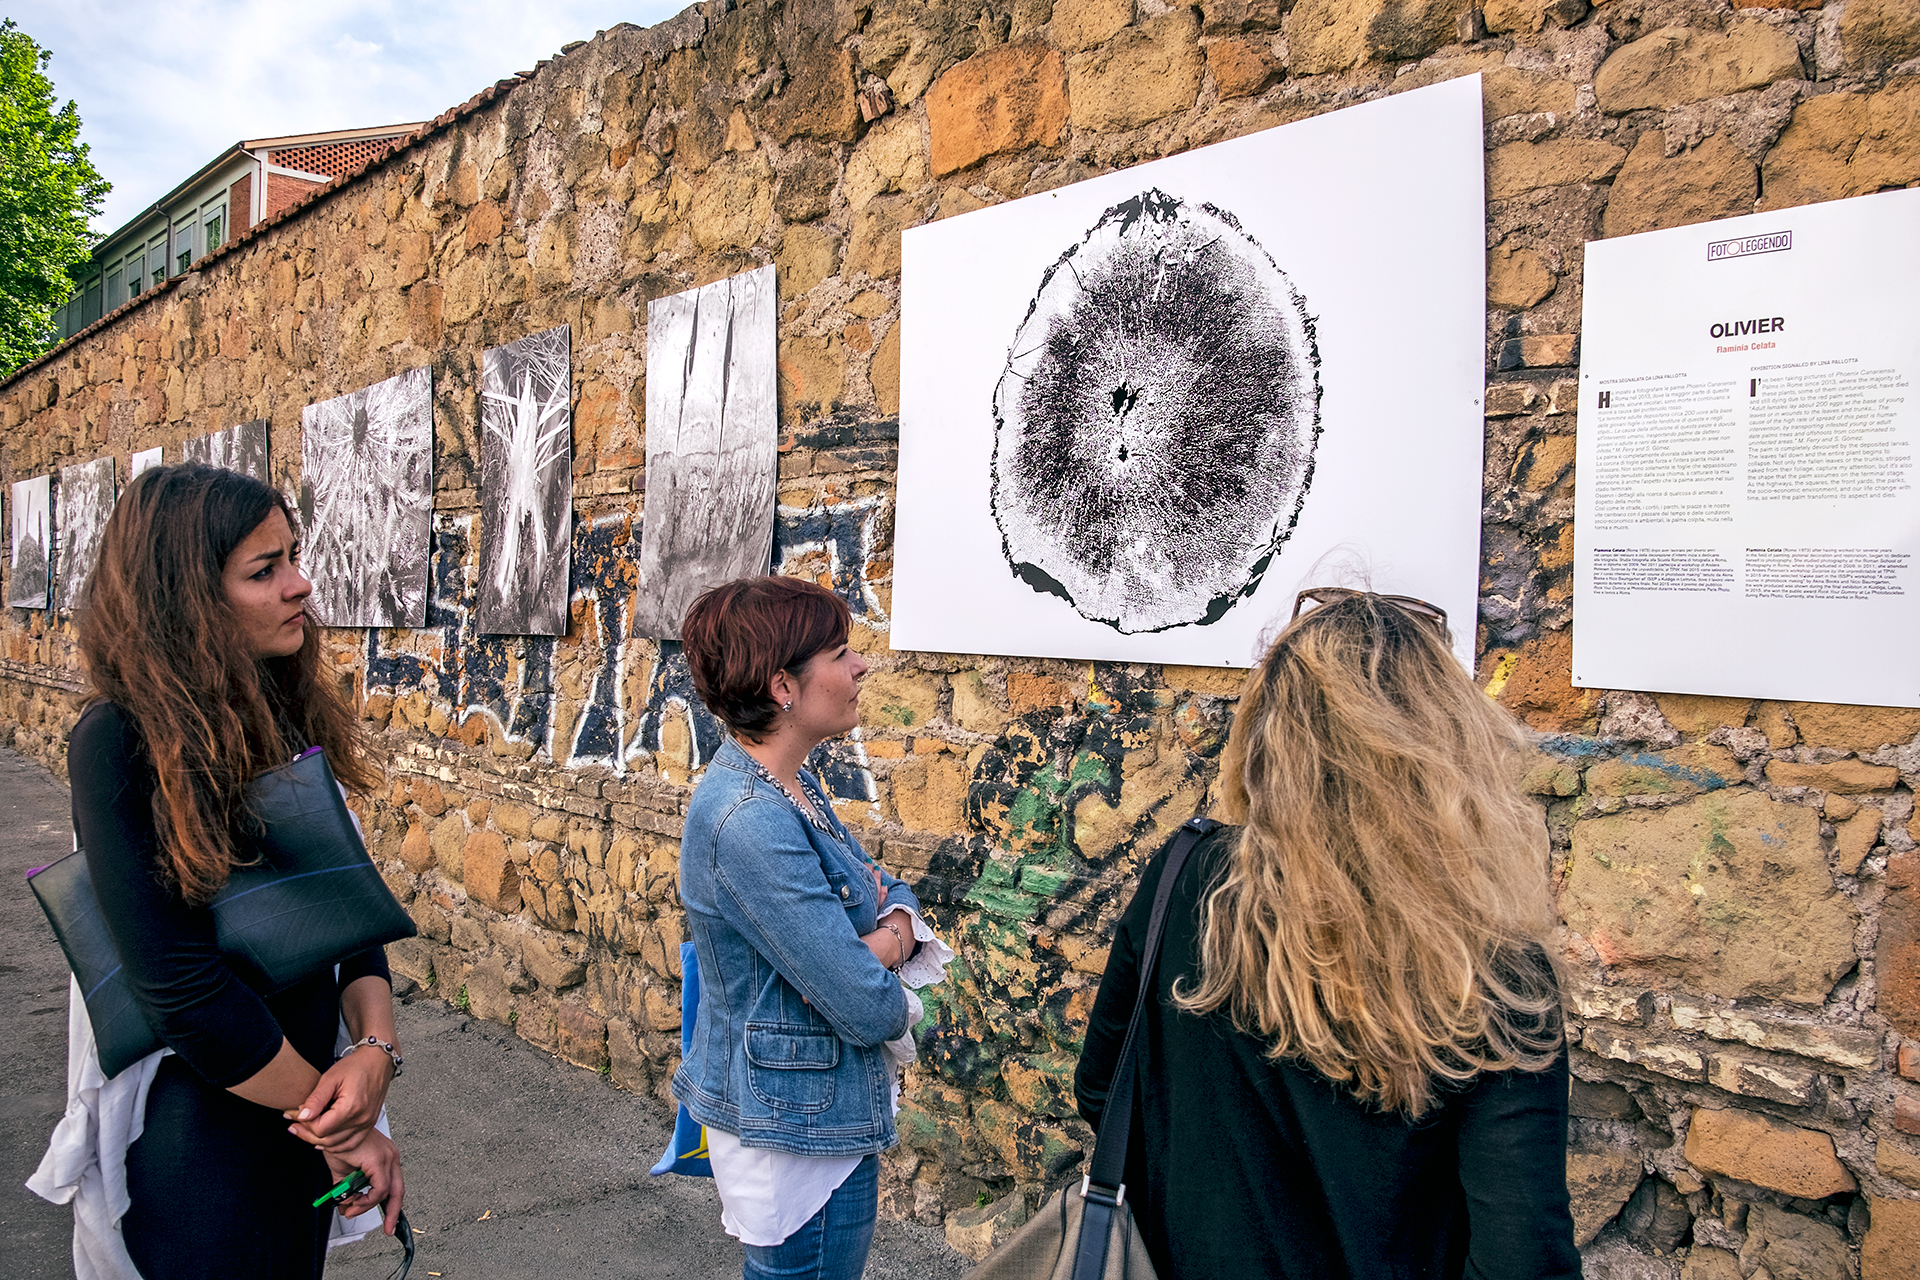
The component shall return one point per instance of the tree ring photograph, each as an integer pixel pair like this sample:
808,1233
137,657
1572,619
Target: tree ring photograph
1156,419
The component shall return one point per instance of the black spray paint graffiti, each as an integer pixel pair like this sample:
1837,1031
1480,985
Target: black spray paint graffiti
1156,422
510,679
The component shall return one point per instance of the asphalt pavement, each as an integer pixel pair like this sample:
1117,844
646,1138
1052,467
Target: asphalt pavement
517,1164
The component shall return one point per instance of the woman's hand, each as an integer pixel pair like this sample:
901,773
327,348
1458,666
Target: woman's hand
377,1157
343,1106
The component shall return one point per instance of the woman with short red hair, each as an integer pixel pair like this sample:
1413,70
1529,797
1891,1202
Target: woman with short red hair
798,935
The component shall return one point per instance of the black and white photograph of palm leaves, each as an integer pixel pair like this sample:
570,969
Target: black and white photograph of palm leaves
86,500
366,502
28,583
242,448
526,484
712,444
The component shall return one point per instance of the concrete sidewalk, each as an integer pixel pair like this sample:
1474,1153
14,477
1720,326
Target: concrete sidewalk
517,1164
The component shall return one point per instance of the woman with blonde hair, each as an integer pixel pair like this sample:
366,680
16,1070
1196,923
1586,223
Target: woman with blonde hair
1354,1063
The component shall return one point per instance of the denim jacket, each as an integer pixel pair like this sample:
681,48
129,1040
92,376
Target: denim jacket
786,1049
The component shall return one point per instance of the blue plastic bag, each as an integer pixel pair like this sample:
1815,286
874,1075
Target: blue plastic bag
687,1152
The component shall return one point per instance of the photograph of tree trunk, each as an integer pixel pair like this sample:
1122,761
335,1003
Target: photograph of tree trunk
712,444
29,581
86,500
526,484
1155,426
242,448
366,502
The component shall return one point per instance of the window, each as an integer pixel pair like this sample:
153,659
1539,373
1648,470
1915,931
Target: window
114,296
214,228
136,275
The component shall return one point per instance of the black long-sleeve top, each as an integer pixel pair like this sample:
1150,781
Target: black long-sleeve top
221,1027
1245,1167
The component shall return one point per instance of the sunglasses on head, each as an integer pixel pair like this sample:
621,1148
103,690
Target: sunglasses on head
1317,596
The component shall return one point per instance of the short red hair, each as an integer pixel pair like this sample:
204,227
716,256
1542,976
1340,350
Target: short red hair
740,634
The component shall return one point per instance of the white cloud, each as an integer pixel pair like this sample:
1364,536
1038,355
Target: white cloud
163,91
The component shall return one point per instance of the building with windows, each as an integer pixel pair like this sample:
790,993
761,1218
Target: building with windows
247,183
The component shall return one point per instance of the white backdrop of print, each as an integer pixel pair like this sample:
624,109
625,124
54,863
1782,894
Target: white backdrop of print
366,502
241,448
526,484
142,460
713,441
31,578
86,500
1140,412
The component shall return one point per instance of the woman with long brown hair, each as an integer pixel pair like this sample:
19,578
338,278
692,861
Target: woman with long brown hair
1355,1063
205,670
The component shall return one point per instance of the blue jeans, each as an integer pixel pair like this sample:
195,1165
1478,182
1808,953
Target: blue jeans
833,1243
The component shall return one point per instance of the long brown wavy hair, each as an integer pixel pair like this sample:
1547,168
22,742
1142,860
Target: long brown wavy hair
160,642
1381,915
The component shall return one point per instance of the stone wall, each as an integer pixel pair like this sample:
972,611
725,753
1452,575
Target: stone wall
1741,892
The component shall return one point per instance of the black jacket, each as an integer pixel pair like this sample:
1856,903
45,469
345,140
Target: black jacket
1242,1167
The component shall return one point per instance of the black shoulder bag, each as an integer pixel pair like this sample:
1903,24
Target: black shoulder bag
311,899
1088,1232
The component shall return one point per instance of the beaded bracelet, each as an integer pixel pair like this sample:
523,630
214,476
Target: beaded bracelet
377,1043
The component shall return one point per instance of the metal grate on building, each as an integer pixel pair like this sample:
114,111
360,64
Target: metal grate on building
333,158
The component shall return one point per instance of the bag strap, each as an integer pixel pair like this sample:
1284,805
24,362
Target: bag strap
1103,1187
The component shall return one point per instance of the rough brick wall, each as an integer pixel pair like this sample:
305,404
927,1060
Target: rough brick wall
283,192
1741,892
240,205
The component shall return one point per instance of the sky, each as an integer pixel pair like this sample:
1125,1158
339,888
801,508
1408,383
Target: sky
164,88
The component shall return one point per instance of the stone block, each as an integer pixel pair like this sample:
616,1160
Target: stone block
731,203
812,375
1517,277
1730,894
1516,168
807,256
512,820
580,1037
1684,771
889,158
430,920
1513,91
1907,1062
1533,682
1243,66
1598,1100
1654,190
973,706
1007,99
1143,74
491,876
1850,728
1700,714
1877,35
1847,777
979,1231
873,249
1792,1247
412,958
1077,25
1707,1263
1657,1216
1681,1061
631,1068
488,993
1032,1150
467,935
1751,1078
1853,1048
449,840
904,699
1854,839
820,100
1599,1182
930,794
551,966
1901,1163
804,190
1766,1152
1158,787
1332,35
1906,1113
1844,144
1676,65
1893,1241
417,849
884,374
1041,1084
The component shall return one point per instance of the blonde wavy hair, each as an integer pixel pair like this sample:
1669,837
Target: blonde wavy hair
1381,915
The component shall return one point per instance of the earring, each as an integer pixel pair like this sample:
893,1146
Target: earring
787,705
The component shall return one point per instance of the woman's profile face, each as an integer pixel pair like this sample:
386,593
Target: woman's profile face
266,590
827,702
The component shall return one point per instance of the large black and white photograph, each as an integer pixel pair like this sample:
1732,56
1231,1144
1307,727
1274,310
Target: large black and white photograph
526,484
142,460
712,444
366,502
241,448
86,500
1140,412
31,576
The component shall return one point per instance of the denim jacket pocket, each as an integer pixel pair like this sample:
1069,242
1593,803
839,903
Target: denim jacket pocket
790,1066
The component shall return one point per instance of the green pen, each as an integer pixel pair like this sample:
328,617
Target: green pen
353,1184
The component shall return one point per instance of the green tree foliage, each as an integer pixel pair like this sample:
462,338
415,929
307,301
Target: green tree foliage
48,190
